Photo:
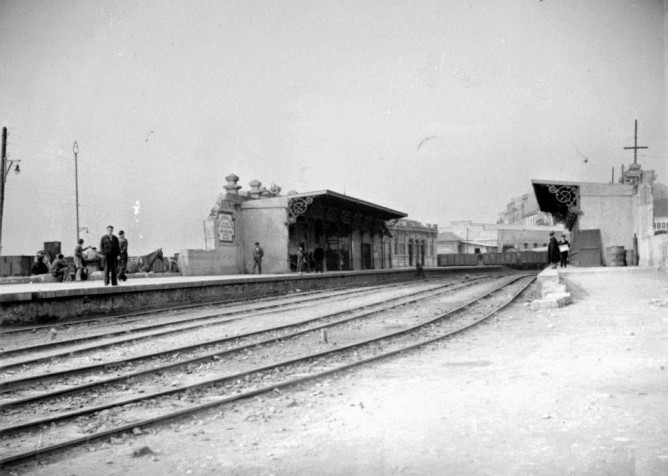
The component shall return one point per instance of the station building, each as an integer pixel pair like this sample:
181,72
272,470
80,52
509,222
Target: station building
355,234
606,217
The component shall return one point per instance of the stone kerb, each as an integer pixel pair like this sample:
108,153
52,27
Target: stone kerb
553,293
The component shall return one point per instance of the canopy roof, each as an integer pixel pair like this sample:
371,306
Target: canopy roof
336,200
560,199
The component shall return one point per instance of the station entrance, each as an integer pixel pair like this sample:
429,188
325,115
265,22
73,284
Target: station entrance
352,233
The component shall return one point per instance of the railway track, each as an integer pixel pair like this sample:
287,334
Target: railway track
211,385
199,352
106,319
165,322
233,308
217,318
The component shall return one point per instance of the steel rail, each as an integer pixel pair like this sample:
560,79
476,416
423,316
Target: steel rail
113,343
60,343
286,384
158,310
402,301
218,380
106,317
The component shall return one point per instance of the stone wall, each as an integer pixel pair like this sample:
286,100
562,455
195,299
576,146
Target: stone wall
609,208
206,263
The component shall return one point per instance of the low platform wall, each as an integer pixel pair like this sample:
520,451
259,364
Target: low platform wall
61,303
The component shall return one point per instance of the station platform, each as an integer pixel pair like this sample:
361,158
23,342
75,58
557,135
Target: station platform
552,283
579,390
37,301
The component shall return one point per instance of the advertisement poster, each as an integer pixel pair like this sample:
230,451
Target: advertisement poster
225,227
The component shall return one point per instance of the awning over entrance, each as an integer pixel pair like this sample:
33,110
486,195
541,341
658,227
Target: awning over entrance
560,199
350,208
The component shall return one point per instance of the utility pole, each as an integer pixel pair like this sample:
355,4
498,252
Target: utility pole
5,167
75,148
3,159
635,145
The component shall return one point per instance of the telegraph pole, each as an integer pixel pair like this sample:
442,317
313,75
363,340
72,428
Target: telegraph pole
75,148
635,145
3,160
5,167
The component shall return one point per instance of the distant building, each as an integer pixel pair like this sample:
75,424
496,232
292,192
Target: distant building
524,210
414,243
468,237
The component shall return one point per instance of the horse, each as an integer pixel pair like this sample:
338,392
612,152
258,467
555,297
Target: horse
145,263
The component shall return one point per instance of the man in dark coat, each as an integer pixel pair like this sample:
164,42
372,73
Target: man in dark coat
258,253
553,255
318,257
123,256
110,249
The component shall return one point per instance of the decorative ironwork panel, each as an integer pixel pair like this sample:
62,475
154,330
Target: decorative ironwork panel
298,206
568,195
389,226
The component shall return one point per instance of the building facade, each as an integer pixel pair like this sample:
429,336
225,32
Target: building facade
413,243
472,238
354,234
524,210
606,216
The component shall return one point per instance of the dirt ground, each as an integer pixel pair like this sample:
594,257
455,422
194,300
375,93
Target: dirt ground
578,390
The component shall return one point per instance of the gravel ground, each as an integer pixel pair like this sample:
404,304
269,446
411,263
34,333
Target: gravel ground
579,390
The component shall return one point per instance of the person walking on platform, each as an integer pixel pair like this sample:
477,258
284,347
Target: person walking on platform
60,269
300,259
258,253
79,261
110,249
553,255
318,257
123,256
564,246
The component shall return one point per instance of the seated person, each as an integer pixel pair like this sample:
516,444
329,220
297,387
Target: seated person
60,269
39,267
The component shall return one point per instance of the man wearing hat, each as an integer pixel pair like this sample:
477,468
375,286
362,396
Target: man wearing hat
553,254
258,253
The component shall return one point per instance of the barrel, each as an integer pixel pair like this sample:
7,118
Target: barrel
615,256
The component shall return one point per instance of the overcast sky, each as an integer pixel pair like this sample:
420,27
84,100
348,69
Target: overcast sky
442,109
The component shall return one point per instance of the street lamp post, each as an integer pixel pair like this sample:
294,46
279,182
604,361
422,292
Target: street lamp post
75,148
5,167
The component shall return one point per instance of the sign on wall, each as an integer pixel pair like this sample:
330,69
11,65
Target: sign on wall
225,227
661,223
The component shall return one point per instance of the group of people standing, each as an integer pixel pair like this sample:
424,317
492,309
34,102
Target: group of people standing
305,259
557,251
113,252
